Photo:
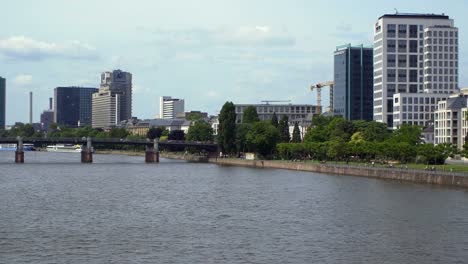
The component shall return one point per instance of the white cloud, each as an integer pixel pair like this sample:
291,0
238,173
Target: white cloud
226,37
22,79
21,47
257,36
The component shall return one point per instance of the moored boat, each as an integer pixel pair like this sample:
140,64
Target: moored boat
64,148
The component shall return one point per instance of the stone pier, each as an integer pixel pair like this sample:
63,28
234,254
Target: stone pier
152,153
87,152
19,153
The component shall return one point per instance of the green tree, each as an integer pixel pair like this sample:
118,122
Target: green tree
241,137
263,138
283,129
176,135
337,149
118,133
296,136
250,115
274,120
154,132
227,128
407,133
200,131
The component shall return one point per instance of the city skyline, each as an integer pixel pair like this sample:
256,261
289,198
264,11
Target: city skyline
220,53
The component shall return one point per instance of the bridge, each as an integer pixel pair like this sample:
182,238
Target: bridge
151,153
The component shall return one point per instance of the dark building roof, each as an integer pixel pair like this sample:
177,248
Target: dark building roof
409,15
456,103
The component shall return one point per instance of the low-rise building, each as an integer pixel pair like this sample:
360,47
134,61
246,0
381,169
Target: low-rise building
301,113
451,125
414,108
141,127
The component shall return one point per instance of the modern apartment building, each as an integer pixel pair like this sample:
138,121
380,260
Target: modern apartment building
113,103
413,53
72,105
301,113
451,124
2,102
170,108
353,78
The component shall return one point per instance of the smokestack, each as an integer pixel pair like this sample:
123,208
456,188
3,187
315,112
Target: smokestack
51,106
30,107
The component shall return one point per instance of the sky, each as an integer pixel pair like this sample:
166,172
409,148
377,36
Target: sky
204,51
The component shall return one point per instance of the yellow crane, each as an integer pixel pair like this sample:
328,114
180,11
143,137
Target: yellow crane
319,87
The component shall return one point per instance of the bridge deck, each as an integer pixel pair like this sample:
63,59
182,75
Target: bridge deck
111,142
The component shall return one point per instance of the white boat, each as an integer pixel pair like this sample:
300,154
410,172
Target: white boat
12,147
64,148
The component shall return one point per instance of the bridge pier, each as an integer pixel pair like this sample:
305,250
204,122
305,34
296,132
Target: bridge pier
152,153
19,153
87,152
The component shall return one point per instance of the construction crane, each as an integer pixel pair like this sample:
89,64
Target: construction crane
319,87
275,101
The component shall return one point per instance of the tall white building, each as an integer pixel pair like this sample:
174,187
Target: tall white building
113,103
170,108
413,54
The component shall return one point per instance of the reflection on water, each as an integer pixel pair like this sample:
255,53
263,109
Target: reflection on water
119,210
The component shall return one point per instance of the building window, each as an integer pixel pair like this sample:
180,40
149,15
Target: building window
402,45
402,31
391,30
391,45
413,31
413,46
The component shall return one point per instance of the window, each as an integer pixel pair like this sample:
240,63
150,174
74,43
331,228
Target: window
391,74
413,31
413,46
413,87
402,44
402,61
413,61
391,60
402,75
413,76
402,31
391,30
391,45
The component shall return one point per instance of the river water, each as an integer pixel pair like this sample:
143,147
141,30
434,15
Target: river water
119,210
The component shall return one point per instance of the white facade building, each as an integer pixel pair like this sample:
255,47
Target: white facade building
451,125
296,113
413,53
170,108
105,109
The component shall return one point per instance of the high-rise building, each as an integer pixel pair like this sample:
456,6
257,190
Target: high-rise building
170,108
413,53
2,102
106,109
72,105
47,116
113,102
120,82
353,89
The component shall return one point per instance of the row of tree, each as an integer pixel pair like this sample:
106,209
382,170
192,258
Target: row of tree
251,134
329,138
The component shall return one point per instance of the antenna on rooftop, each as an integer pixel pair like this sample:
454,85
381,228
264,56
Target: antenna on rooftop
396,11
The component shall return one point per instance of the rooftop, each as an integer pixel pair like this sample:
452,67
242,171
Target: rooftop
415,15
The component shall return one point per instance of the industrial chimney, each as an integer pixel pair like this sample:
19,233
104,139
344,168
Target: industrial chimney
30,107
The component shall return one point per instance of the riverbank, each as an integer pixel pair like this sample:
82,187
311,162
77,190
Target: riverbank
406,175
399,174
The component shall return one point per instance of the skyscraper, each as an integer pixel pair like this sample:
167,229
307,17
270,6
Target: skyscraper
113,102
2,102
415,56
353,90
170,108
47,116
72,105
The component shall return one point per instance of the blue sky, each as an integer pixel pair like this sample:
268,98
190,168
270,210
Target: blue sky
204,51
